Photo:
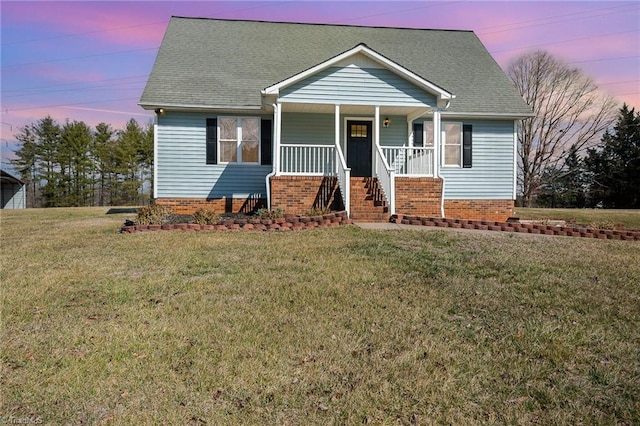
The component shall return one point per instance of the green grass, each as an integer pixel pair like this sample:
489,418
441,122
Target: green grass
335,326
629,218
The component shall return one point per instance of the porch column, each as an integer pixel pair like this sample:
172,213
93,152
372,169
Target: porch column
437,140
376,126
337,126
278,132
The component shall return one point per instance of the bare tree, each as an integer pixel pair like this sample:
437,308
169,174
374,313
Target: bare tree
569,111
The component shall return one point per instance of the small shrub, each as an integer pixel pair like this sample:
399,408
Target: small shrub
318,211
154,214
269,214
206,217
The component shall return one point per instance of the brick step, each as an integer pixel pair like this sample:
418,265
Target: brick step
370,217
369,206
367,203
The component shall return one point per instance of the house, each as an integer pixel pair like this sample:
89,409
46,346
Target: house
293,116
12,192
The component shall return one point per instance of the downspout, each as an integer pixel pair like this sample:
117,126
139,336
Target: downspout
439,157
273,157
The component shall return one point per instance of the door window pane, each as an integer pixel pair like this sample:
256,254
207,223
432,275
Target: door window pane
358,130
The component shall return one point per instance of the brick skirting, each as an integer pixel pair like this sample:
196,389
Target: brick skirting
299,194
219,205
497,210
418,196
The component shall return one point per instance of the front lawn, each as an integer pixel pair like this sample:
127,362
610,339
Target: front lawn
331,326
630,219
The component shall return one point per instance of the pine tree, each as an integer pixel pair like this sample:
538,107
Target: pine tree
614,166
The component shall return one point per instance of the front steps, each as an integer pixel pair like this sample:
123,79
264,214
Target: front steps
367,200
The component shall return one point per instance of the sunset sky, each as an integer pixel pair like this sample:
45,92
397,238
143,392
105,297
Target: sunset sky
89,60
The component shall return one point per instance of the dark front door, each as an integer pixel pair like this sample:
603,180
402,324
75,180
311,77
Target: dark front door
359,141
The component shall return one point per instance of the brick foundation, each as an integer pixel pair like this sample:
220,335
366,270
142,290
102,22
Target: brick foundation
418,196
219,205
497,210
299,194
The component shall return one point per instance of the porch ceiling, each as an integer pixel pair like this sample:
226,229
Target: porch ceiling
350,109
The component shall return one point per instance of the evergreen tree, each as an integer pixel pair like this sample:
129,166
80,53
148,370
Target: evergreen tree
47,137
564,186
614,166
76,163
104,153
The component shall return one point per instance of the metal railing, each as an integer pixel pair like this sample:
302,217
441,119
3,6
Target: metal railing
312,160
386,178
409,161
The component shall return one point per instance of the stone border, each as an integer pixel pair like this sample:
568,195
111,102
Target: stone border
485,225
286,223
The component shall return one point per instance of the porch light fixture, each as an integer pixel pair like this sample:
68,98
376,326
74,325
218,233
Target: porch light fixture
159,111
386,122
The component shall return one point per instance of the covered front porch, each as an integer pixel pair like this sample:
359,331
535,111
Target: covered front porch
328,146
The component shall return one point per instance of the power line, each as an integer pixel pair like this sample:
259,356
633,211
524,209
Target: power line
81,57
566,41
80,34
76,103
78,82
604,59
99,87
555,20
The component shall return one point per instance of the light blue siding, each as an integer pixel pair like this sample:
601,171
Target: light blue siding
353,85
308,129
491,174
318,129
396,133
181,163
13,195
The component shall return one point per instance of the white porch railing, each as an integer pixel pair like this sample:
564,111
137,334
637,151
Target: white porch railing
314,160
344,180
386,177
409,161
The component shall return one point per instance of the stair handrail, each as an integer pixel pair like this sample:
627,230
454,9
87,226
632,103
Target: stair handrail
386,177
343,174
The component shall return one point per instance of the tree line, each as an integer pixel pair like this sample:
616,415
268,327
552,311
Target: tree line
607,176
74,165
567,154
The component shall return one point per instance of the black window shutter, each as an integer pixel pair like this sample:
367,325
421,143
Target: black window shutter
417,134
466,145
212,141
265,143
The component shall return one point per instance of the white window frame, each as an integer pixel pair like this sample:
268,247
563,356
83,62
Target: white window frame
443,136
239,139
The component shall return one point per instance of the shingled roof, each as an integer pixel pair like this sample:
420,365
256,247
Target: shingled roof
214,63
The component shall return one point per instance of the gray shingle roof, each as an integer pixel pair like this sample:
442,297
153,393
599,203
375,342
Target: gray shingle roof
212,62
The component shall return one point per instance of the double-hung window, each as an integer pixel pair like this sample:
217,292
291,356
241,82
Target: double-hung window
452,144
456,142
239,140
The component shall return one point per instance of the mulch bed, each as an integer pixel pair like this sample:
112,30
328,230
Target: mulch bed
526,228
286,223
